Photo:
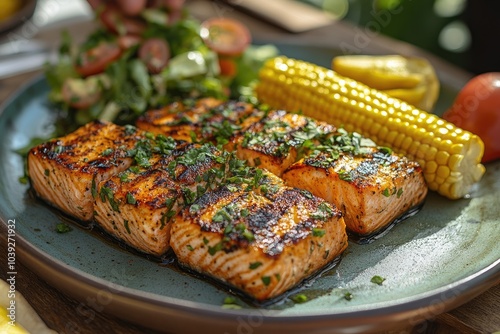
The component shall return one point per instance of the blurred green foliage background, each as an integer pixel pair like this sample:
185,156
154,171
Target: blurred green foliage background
464,32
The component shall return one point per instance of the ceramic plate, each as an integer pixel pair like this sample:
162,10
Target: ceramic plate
436,260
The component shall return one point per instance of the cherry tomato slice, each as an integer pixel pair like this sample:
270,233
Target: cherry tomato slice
116,22
225,36
155,53
95,60
477,109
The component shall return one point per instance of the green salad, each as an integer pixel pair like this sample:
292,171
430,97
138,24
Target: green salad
131,65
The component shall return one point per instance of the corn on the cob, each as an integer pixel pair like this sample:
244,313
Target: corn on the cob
449,155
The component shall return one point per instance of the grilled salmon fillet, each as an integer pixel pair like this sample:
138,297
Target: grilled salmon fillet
317,157
135,205
372,187
262,241
64,170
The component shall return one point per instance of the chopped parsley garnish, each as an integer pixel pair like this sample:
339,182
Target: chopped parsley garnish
377,280
125,223
255,265
385,150
93,188
323,213
130,129
318,232
345,176
348,296
107,194
217,247
58,149
299,298
131,199
124,177
266,280
63,228
107,152
230,303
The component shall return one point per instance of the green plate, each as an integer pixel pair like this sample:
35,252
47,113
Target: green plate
432,262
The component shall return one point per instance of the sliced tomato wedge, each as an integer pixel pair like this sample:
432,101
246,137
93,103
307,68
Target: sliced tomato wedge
95,60
116,22
155,53
225,36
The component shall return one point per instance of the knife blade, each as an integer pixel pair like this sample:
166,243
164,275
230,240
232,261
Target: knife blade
290,15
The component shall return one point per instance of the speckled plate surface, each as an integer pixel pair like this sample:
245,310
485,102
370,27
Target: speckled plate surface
432,262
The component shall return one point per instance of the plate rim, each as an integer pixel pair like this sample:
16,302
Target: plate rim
361,320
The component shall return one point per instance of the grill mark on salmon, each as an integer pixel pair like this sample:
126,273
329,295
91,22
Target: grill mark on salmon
63,171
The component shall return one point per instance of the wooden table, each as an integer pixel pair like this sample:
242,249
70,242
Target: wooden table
66,315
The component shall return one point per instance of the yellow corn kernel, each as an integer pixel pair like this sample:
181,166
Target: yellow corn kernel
450,157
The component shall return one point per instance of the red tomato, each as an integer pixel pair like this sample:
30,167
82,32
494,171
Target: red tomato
477,109
155,53
115,21
225,36
95,60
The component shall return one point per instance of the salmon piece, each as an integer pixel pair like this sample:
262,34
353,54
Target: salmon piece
274,142
267,139
262,241
64,171
372,189
137,205
207,120
136,211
